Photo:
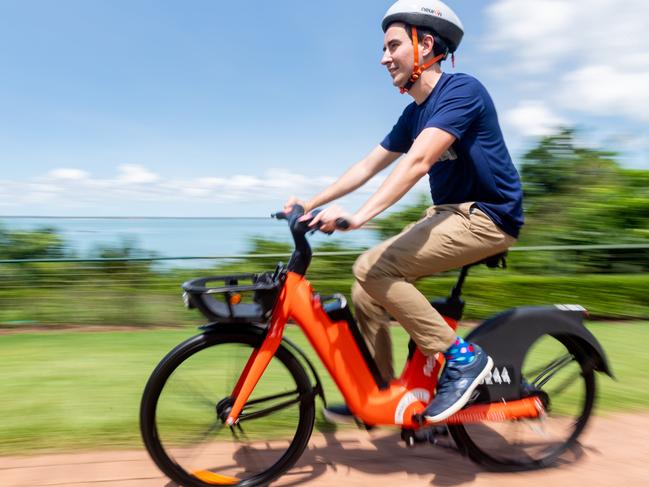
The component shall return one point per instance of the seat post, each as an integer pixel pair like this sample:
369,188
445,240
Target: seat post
457,289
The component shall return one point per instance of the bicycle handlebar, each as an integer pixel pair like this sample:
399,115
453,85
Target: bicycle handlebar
298,211
301,257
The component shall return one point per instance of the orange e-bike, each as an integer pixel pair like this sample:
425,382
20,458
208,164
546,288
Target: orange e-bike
235,405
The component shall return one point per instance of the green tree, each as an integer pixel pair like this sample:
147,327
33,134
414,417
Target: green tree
43,243
580,195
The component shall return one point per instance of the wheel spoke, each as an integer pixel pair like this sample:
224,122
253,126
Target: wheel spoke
551,370
270,410
270,398
200,443
542,368
251,453
193,394
565,383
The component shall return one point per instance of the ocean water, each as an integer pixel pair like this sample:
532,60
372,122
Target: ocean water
178,237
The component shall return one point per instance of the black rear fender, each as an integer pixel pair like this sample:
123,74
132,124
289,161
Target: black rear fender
508,336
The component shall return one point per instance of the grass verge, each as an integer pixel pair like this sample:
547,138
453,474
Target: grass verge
81,390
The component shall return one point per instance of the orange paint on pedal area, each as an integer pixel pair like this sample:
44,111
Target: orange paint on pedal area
529,407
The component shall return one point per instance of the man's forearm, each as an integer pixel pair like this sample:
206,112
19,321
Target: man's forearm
355,177
425,151
352,179
404,177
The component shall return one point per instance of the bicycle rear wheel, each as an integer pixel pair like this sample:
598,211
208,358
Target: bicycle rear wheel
560,372
186,401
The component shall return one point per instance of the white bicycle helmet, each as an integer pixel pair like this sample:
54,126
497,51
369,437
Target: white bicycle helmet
431,15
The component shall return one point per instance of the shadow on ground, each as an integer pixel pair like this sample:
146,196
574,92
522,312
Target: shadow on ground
382,454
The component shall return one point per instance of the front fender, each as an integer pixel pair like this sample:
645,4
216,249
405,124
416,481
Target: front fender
508,336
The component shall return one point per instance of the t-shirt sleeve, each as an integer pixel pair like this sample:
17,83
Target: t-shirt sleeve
399,139
458,109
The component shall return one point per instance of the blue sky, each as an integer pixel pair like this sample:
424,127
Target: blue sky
205,108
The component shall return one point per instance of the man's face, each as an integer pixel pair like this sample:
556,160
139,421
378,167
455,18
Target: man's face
398,53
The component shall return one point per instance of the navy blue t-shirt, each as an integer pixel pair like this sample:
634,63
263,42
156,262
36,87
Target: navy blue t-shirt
477,167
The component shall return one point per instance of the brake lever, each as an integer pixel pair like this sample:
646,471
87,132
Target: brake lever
341,224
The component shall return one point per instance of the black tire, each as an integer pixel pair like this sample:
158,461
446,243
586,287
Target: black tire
569,394
185,434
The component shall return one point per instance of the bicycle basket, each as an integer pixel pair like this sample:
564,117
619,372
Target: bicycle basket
242,298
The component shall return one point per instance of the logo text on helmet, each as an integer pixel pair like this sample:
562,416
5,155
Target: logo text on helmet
432,11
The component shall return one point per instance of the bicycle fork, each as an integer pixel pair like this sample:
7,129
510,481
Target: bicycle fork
258,361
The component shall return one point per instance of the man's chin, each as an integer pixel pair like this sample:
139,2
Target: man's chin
399,80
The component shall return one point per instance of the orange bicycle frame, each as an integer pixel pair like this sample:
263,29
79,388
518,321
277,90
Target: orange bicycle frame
396,404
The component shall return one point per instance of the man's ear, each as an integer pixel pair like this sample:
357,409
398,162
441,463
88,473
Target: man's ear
427,45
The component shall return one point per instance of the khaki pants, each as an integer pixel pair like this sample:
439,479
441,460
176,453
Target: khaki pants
447,237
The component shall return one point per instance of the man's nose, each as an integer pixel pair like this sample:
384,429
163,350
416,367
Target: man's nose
386,58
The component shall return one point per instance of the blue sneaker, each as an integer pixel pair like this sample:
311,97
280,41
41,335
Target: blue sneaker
456,384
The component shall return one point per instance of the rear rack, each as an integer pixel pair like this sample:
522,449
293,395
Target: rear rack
241,303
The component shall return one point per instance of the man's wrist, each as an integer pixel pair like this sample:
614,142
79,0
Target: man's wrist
360,219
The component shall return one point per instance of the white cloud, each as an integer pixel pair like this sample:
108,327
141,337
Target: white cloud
603,90
541,33
135,174
532,119
137,184
533,31
592,54
68,173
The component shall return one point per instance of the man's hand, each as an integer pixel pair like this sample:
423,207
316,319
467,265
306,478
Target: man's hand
291,202
327,219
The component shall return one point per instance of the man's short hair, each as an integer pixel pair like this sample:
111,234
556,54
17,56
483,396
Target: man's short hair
440,46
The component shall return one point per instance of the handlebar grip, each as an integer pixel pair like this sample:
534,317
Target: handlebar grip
342,223
296,212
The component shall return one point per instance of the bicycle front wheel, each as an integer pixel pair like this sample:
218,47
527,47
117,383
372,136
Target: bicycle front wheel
186,402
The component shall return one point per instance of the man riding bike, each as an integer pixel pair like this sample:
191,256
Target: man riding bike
451,133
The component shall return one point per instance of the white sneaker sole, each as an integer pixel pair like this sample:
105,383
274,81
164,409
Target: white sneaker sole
465,397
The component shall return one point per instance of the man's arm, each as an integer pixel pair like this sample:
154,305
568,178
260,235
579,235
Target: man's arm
425,151
355,177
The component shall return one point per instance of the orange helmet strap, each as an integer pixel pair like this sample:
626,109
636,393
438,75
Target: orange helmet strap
417,70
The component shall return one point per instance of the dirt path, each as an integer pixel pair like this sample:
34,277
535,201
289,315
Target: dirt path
613,452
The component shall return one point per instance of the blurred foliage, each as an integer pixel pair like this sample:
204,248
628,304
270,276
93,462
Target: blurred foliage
44,243
323,266
81,294
126,249
574,195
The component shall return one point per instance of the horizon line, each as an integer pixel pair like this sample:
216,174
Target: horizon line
140,217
